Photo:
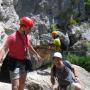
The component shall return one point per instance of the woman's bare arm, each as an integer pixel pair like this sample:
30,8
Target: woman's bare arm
3,48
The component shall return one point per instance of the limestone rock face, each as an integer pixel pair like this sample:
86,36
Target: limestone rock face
44,13
5,86
55,10
84,77
40,80
8,14
2,33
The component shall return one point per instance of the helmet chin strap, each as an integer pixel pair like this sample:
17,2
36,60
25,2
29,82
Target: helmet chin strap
24,33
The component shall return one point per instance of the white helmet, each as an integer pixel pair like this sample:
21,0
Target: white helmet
57,54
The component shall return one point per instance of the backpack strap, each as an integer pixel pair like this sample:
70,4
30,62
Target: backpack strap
67,64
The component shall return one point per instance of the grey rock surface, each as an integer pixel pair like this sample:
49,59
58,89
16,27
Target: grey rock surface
40,80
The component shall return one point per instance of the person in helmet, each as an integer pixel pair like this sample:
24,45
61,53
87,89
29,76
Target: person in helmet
63,74
56,44
17,44
54,34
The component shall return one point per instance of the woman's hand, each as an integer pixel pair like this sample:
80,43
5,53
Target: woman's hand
39,59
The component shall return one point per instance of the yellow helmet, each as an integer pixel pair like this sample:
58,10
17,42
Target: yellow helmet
54,33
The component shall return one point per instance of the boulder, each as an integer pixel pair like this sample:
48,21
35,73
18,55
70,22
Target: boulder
40,80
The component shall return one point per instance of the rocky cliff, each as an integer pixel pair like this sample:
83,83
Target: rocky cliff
50,11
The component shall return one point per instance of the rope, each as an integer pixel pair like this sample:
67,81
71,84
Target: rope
41,47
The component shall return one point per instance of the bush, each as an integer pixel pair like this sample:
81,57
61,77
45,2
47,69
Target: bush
83,61
87,1
72,58
53,27
72,22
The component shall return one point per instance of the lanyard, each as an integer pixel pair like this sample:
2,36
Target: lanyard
24,42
